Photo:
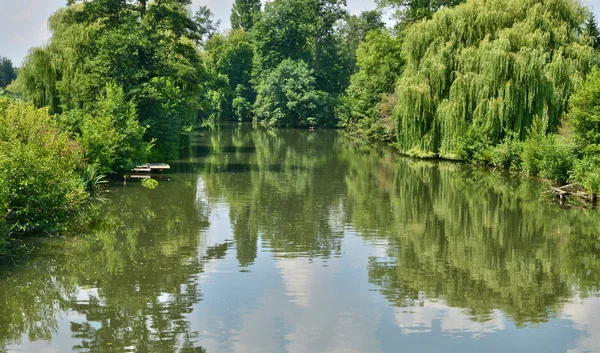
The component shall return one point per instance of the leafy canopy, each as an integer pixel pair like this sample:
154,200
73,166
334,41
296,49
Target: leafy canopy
289,97
489,66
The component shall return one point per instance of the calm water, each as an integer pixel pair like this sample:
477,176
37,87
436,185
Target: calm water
297,241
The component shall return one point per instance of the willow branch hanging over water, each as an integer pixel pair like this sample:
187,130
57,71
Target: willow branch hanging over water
490,67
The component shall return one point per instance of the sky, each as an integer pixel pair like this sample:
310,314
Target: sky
23,23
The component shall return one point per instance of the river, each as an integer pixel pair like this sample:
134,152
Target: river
297,241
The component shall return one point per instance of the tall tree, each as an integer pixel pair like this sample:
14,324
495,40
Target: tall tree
592,31
380,63
300,30
7,72
147,50
206,26
324,13
228,58
468,83
244,14
411,11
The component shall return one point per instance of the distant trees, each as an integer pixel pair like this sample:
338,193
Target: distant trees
7,72
288,97
205,25
361,109
411,11
244,14
592,30
229,59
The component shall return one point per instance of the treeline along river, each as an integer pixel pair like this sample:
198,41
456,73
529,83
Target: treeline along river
296,241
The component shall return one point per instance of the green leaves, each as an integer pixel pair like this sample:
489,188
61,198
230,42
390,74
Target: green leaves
380,62
149,50
288,97
40,186
514,60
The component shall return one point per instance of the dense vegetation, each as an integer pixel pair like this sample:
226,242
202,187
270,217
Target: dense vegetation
509,83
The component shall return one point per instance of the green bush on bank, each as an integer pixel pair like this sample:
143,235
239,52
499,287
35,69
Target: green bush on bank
40,182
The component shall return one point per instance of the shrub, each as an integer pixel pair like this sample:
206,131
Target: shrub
475,146
586,172
508,153
39,170
543,155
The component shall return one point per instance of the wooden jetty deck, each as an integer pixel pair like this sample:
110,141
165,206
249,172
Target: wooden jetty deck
151,167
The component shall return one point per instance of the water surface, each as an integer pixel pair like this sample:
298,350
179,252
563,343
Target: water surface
298,241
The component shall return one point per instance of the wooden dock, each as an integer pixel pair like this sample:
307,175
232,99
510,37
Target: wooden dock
151,167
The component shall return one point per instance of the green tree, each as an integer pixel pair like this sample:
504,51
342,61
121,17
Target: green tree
592,30
229,59
7,72
584,117
411,11
301,30
205,24
244,14
380,62
147,49
289,97
521,60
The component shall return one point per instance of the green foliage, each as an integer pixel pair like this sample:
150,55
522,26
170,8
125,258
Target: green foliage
288,97
544,155
380,63
508,153
586,172
39,171
148,49
473,146
584,114
411,11
301,30
110,134
7,72
244,14
228,58
205,25
592,31
242,108
517,59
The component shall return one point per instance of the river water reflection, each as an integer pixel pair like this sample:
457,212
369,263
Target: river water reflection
298,241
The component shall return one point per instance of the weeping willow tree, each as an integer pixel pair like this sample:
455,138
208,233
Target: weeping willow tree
488,67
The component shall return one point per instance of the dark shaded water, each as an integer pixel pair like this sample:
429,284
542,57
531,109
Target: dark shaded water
297,241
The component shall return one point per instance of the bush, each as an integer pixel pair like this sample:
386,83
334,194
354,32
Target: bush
39,171
543,155
475,146
508,153
586,172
